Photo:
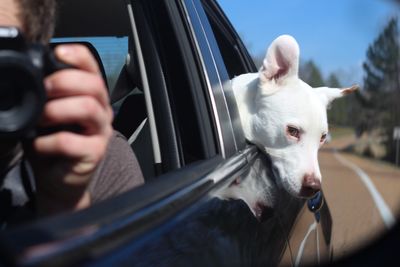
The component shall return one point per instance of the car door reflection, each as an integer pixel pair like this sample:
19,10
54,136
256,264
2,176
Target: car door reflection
219,233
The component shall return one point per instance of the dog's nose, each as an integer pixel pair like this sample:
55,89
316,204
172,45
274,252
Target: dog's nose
310,186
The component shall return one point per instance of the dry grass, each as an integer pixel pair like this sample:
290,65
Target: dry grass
337,131
368,145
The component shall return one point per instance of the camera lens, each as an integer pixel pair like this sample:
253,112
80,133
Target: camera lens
21,95
10,94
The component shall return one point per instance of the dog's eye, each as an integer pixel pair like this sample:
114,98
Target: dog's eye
323,137
293,131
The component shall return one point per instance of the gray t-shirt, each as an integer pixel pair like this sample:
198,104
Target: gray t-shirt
118,172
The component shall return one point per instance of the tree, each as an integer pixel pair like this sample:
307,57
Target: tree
383,61
333,81
339,112
310,73
382,82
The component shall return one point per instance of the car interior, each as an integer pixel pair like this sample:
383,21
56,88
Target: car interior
125,89
173,140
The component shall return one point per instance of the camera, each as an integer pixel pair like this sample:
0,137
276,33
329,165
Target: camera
23,67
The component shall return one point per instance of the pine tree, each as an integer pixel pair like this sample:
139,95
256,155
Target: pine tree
333,81
338,113
382,82
310,73
382,67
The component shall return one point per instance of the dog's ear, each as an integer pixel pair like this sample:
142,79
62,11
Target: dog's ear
282,60
327,95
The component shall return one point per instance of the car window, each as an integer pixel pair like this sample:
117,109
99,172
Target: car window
126,94
235,56
112,51
230,59
184,97
182,124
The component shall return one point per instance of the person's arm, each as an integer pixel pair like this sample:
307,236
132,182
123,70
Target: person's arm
63,162
118,172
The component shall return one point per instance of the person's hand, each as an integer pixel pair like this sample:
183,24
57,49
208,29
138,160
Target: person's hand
64,161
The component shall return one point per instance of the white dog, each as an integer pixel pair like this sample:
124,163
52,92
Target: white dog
286,118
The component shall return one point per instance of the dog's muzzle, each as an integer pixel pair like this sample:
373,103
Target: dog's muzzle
310,186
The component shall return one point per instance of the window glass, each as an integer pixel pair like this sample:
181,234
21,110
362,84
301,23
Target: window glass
186,98
112,51
228,44
126,95
229,52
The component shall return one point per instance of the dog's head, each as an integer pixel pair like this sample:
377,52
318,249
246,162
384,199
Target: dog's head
290,119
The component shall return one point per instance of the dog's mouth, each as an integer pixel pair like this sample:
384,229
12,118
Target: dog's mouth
310,189
308,192
262,211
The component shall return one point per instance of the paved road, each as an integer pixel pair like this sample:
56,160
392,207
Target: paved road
363,195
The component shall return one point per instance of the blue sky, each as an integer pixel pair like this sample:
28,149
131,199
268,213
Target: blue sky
335,34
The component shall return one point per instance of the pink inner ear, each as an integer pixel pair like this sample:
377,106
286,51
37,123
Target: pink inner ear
282,58
283,64
269,69
275,65
350,90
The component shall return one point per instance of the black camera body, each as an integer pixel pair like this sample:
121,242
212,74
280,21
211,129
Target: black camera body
23,67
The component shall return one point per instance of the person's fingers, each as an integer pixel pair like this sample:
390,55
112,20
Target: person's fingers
78,56
85,149
82,110
72,82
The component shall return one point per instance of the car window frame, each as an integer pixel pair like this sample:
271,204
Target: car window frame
210,10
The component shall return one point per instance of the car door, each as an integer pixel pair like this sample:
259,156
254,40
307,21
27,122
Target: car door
174,103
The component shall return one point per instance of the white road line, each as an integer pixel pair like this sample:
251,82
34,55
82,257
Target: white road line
380,203
303,243
318,253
